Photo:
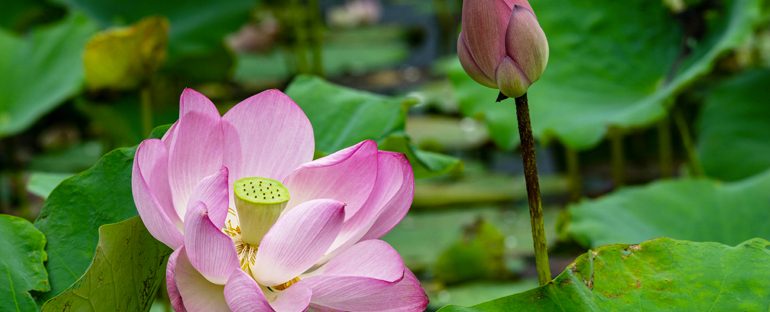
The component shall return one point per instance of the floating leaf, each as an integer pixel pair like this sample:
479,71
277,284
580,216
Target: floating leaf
477,292
342,117
43,183
625,70
691,209
122,58
439,229
479,254
40,71
657,275
21,265
126,272
736,114
71,216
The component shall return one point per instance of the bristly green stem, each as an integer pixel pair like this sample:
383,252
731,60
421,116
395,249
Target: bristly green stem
533,190
573,174
317,36
665,149
684,131
618,157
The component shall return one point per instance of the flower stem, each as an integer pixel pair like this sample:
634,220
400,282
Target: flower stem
618,157
317,36
684,131
665,149
533,190
573,174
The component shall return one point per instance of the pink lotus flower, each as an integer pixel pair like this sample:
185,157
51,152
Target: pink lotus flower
256,225
502,45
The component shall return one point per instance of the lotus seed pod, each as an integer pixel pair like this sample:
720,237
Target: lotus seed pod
502,45
259,202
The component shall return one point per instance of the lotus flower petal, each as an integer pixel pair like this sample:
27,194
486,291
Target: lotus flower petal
470,65
297,241
268,136
154,203
511,80
198,293
484,23
244,295
397,207
526,43
196,152
389,201
209,250
173,292
372,259
347,176
213,191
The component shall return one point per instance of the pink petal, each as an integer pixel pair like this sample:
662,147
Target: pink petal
244,295
347,176
388,203
154,203
526,43
268,136
173,291
372,259
396,208
483,26
194,101
197,292
294,299
511,80
196,152
213,191
297,241
190,101
210,250
470,65
367,294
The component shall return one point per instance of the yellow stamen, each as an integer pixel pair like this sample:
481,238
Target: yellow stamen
286,285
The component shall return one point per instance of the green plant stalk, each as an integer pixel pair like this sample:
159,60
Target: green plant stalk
533,190
618,157
317,31
146,103
664,147
298,28
573,174
684,131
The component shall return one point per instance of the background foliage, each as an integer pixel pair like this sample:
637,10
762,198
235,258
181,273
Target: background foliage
668,96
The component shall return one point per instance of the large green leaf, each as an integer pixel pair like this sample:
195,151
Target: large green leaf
441,228
342,117
691,209
43,183
40,71
613,64
736,116
74,211
198,27
125,275
658,275
21,264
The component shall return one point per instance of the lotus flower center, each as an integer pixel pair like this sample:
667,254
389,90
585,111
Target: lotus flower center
259,202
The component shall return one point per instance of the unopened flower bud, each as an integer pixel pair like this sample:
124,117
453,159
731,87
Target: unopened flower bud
502,45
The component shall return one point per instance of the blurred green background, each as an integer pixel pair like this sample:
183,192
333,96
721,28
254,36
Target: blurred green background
653,116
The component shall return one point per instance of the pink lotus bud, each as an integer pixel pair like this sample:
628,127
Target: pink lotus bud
502,45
